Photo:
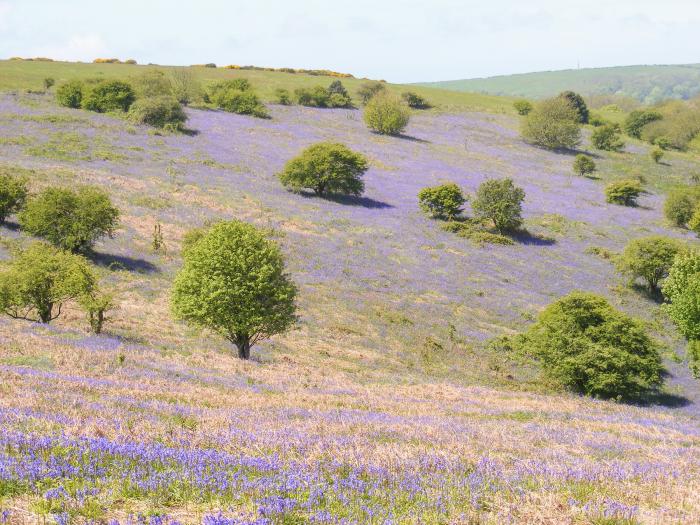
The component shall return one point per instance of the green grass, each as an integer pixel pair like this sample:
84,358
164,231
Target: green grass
649,84
29,75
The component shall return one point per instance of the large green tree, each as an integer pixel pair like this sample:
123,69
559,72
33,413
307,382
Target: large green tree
552,124
233,282
500,201
649,258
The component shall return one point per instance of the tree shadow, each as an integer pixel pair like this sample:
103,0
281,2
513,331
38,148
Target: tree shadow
664,399
122,262
411,138
644,291
10,225
189,132
349,200
530,239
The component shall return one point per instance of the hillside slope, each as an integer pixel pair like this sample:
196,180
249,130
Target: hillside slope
386,405
648,84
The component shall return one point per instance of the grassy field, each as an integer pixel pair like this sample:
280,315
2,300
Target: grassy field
648,84
386,404
17,74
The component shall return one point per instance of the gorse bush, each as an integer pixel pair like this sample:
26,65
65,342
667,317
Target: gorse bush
583,165
325,168
236,96
72,220
233,282
636,120
13,194
500,201
70,94
368,89
649,259
386,115
607,138
162,112
623,192
442,202
110,95
40,280
523,107
578,104
587,346
415,101
552,124
680,205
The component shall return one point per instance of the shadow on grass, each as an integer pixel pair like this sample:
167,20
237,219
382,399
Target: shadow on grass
529,239
348,200
122,262
411,138
9,225
664,399
189,132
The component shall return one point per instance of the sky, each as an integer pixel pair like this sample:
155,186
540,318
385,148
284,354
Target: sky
399,41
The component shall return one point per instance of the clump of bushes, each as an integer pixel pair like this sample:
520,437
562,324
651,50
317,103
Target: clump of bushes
109,95
334,96
656,154
283,97
415,101
499,201
236,96
585,345
576,102
386,115
649,259
325,168
13,194
679,125
553,124
475,232
233,282
49,82
442,202
163,112
680,205
584,165
523,107
368,89
607,138
624,192
71,220
70,94
637,119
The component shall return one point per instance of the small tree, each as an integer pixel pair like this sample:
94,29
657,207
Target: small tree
72,220
162,112
636,120
386,115
368,89
48,83
680,205
96,304
233,283
682,290
607,138
584,165
337,88
623,192
694,222
656,154
13,195
578,104
326,167
70,94
552,124
500,201
40,280
283,97
415,101
523,107
442,202
589,347
110,95
649,259
236,96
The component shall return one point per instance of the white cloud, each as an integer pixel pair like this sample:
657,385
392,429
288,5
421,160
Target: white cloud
78,47
5,8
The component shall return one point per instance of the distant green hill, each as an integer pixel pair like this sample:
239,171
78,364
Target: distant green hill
648,84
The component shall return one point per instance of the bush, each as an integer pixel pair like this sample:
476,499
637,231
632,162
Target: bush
586,345
386,115
523,107
336,88
40,280
607,138
693,352
282,97
679,206
13,194
335,96
623,192
233,283
637,119
48,83
72,220
682,290
159,112
678,127
326,167
368,89
577,103
415,101
70,94
235,96
656,154
584,165
442,202
694,221
649,259
111,95
152,83
552,124
96,304
500,201
185,86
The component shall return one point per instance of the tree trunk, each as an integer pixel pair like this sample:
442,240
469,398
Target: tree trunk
243,345
45,313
